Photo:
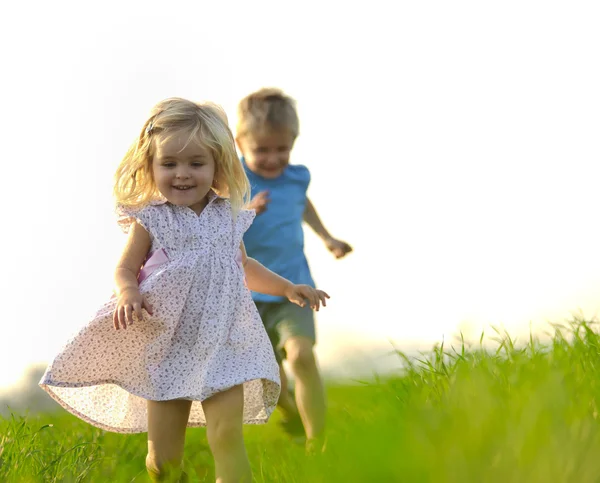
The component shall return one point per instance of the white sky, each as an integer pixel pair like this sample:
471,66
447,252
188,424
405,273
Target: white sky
454,144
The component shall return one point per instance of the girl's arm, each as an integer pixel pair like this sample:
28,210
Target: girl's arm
126,283
260,279
338,247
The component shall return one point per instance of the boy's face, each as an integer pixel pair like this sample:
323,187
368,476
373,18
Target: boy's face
267,153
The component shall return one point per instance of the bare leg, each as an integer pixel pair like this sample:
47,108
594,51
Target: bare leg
310,394
167,421
290,422
224,429
286,403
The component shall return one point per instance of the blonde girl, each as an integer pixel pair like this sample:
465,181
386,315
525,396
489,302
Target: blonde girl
181,343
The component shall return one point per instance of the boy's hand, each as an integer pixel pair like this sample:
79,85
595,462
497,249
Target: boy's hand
259,202
130,302
339,248
299,294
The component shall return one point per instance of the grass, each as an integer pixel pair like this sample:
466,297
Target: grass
513,413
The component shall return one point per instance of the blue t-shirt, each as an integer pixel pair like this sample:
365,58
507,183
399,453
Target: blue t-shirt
276,238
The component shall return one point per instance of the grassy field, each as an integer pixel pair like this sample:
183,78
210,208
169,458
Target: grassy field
516,413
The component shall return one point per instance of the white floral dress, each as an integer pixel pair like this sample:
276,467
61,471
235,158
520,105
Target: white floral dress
205,335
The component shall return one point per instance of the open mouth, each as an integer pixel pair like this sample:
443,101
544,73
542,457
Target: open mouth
183,188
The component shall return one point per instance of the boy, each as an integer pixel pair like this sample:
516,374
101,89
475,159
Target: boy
267,128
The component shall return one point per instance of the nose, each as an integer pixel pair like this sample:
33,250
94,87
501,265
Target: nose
182,172
273,159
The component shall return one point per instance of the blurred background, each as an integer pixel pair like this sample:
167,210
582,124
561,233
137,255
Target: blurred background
454,144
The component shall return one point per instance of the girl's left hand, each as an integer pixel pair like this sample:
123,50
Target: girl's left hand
299,294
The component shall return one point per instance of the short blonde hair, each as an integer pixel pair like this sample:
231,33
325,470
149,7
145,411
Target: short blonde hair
268,108
205,123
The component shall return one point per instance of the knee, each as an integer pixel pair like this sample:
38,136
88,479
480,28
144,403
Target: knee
301,358
224,434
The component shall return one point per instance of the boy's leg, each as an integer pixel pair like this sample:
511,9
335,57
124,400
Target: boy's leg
270,315
291,422
224,429
295,327
310,394
286,403
167,422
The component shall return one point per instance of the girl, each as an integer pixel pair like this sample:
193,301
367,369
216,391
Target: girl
181,344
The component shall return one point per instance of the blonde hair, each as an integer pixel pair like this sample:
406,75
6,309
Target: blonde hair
205,123
267,108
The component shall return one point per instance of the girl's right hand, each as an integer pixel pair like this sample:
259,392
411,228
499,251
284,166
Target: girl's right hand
130,302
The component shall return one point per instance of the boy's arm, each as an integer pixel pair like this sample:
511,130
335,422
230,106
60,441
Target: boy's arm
311,217
338,247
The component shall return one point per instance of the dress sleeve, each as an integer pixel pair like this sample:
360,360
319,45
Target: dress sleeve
243,221
126,216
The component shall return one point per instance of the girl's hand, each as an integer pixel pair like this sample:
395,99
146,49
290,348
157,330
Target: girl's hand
130,302
339,248
299,294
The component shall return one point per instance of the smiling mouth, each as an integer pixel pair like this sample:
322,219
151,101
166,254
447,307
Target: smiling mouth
183,188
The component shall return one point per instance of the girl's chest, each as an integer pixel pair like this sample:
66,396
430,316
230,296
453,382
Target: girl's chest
192,232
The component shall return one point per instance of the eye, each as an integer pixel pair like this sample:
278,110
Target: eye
197,164
261,150
283,149
168,164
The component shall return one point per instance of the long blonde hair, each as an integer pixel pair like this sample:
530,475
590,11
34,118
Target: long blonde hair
206,123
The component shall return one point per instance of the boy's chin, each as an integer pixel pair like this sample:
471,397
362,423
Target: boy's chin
271,174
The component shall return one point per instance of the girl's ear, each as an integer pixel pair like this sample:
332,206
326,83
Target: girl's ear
215,183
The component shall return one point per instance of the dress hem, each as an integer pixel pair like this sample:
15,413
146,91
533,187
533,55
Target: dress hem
47,387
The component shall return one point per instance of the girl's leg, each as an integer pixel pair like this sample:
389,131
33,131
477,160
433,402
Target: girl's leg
167,421
224,424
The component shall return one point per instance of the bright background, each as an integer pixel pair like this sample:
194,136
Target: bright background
455,145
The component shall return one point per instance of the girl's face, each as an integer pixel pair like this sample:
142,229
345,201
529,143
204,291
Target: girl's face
183,173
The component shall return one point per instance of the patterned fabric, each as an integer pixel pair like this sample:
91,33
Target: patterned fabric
205,335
